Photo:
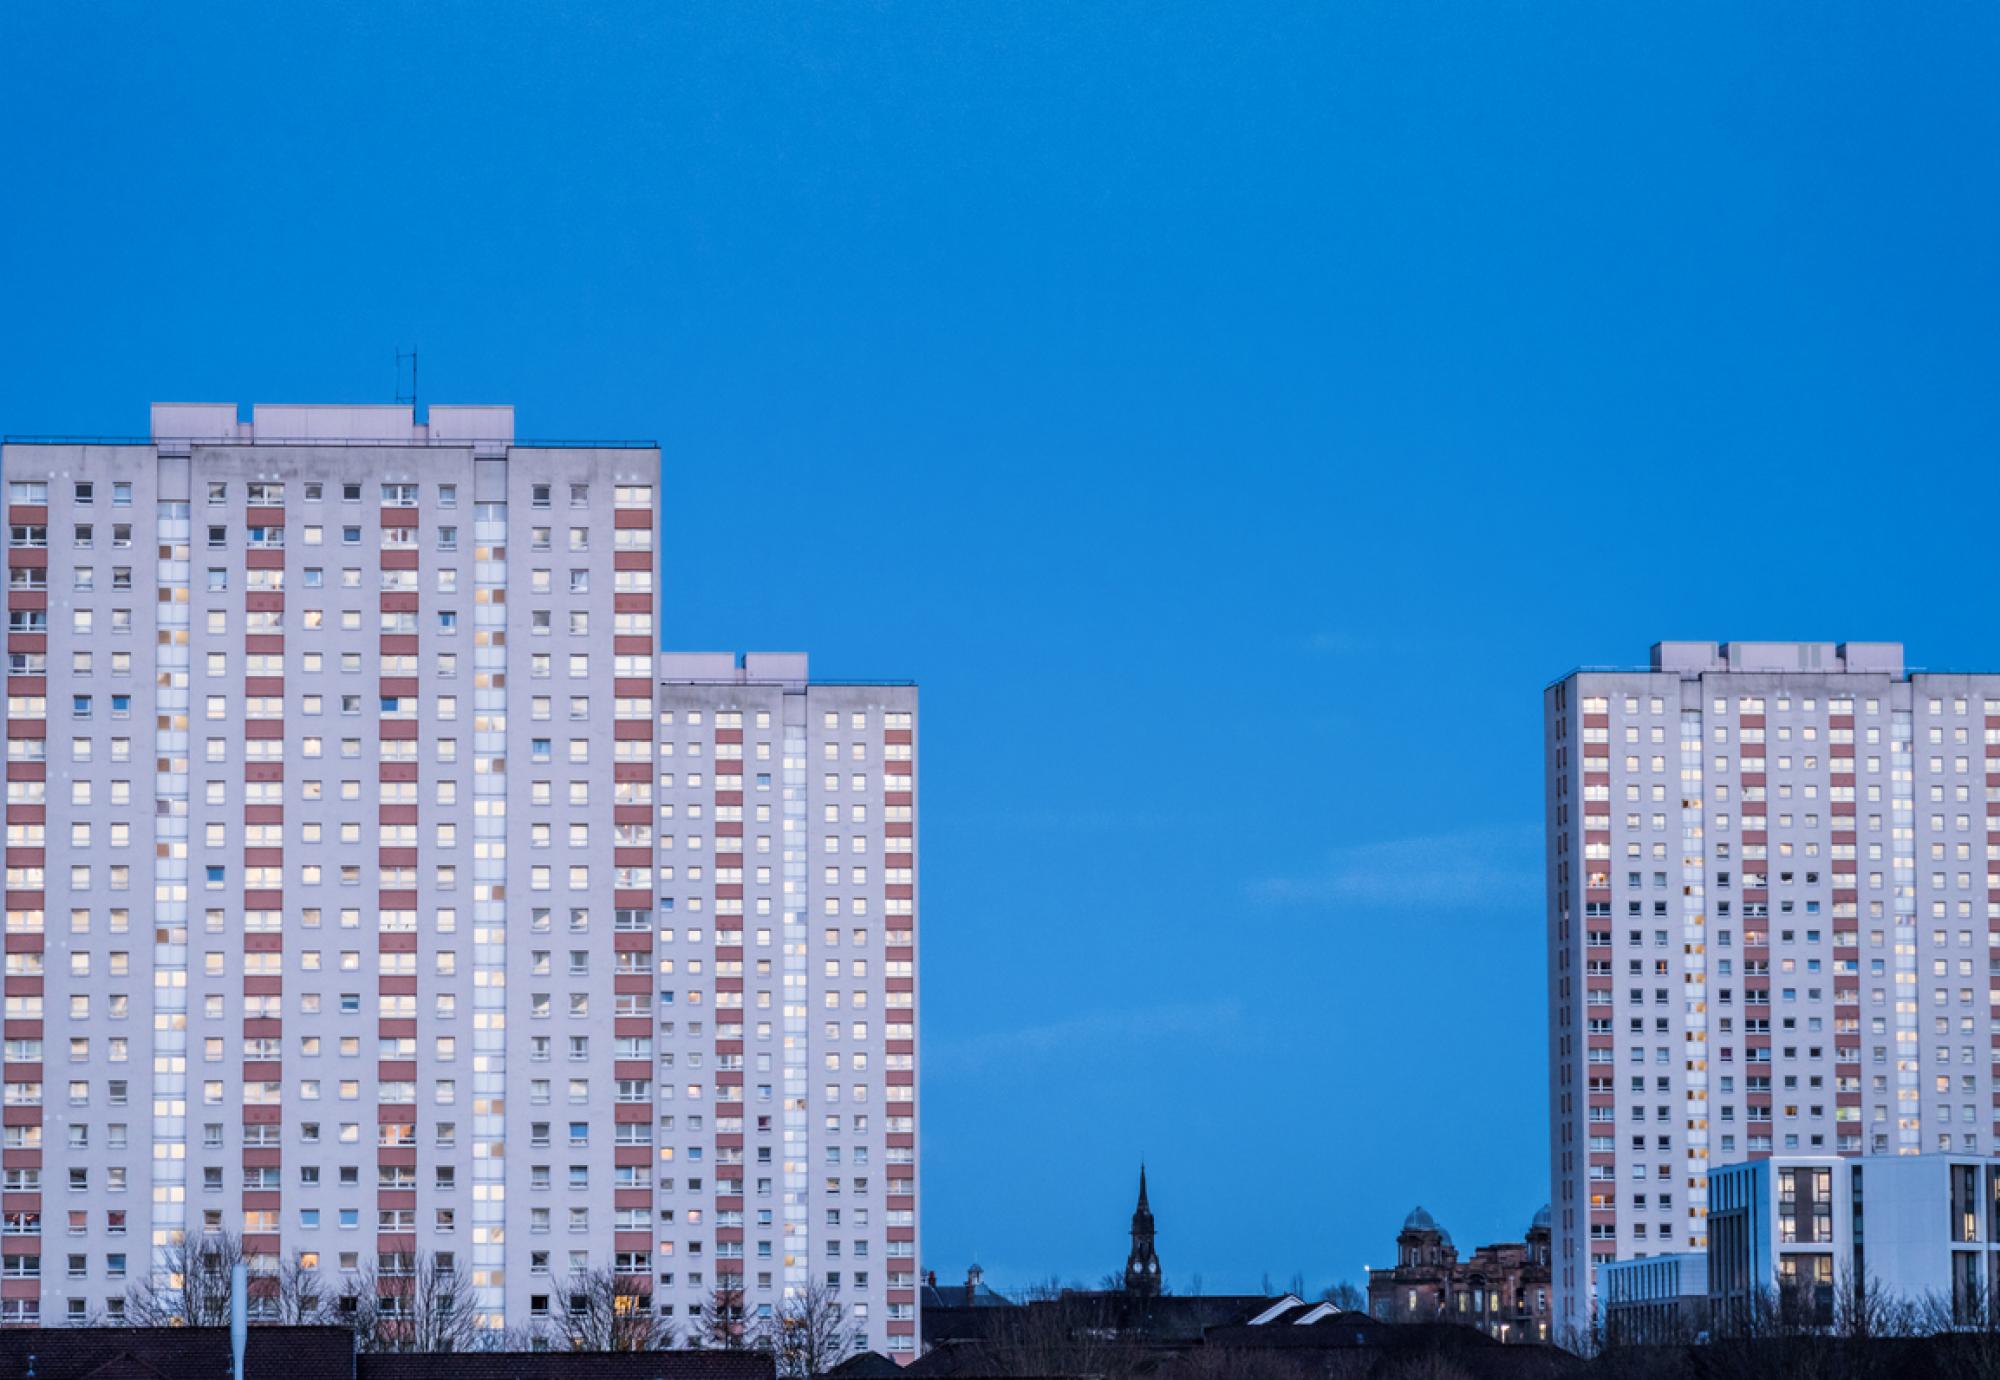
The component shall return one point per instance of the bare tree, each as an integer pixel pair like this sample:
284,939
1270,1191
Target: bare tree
723,1327
1965,1339
1345,1296
809,1334
1865,1307
603,1311
1058,1332
293,1295
412,1304
1781,1333
189,1283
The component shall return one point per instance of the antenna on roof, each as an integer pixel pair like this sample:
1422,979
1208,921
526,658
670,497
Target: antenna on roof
411,396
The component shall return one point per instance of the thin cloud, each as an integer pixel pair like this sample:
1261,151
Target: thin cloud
1472,867
1098,1030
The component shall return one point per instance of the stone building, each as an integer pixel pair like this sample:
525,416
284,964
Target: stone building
1501,1289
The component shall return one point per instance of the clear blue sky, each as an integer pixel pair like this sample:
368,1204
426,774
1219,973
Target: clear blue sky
1232,414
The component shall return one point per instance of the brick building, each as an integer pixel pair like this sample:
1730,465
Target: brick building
1501,1289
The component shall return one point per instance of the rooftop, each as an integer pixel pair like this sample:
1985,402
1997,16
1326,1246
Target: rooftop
746,668
333,424
1691,659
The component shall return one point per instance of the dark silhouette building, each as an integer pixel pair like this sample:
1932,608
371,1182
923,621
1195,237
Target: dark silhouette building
329,1353
1142,1266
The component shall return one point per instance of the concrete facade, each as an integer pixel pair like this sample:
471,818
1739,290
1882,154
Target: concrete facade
1807,1231
1655,1300
355,874
1769,917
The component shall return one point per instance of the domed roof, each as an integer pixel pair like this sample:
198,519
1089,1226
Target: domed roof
1419,1220
1542,1220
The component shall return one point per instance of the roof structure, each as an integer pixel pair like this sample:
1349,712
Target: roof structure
327,1353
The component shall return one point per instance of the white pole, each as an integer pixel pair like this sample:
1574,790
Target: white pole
239,1316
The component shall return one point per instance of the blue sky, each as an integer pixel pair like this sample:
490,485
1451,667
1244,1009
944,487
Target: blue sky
1232,415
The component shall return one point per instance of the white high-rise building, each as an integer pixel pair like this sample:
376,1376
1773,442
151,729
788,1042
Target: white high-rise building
1770,925
376,893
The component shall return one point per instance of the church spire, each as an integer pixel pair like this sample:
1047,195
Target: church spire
1142,1266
